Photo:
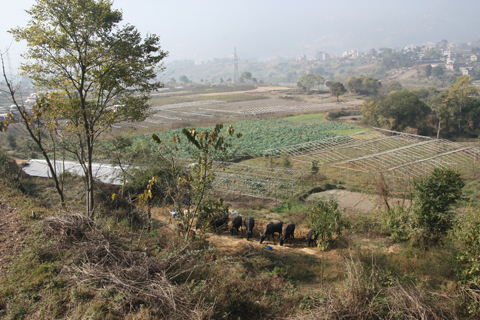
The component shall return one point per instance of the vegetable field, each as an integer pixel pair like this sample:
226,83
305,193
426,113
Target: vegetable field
261,135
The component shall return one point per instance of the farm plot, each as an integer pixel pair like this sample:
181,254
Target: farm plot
392,155
187,104
295,108
257,181
259,136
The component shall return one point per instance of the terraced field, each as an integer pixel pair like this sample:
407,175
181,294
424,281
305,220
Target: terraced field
261,135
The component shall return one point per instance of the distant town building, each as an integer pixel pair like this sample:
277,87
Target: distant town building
351,54
467,71
474,57
452,66
302,58
322,56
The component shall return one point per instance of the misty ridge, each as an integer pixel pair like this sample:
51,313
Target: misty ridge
377,63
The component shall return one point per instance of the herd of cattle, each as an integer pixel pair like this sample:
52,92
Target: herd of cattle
285,234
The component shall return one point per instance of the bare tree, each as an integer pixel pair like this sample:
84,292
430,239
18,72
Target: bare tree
38,125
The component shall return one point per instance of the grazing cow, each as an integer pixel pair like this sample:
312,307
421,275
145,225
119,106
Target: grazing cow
219,222
270,229
236,224
249,224
311,238
287,233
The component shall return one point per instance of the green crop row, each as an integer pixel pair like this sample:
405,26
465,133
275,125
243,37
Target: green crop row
262,135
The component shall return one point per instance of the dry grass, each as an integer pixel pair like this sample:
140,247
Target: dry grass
102,262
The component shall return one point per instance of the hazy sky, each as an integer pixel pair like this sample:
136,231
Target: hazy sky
203,29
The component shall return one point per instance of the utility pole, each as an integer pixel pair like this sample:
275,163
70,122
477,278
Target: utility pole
235,62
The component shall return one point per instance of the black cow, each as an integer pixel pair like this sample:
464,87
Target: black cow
287,233
219,222
249,224
270,229
311,238
236,224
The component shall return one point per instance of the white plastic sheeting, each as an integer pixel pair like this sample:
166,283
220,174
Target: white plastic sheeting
102,172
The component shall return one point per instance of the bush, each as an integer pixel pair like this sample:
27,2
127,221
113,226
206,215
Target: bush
285,162
326,220
398,222
433,197
467,232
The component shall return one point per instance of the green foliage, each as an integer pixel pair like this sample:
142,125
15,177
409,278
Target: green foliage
285,162
433,198
314,167
308,81
80,56
428,70
337,89
326,220
207,147
363,85
398,222
438,71
457,109
246,76
467,232
397,60
394,86
259,136
12,142
400,109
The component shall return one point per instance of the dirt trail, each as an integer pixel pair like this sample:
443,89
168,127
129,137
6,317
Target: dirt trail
236,244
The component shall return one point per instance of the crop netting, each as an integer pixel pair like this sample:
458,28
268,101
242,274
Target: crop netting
257,180
395,158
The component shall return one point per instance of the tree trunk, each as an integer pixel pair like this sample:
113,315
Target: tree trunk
89,179
438,129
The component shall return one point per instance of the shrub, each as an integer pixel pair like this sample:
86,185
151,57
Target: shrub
398,222
433,197
285,162
467,232
326,220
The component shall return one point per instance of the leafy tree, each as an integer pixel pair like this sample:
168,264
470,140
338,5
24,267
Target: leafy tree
78,53
397,111
468,255
371,86
433,197
363,85
246,76
407,109
184,79
337,89
428,70
460,94
208,147
437,71
308,81
433,53
326,221
394,86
